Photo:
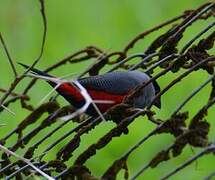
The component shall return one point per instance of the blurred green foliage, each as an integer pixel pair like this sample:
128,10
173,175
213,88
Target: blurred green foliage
110,25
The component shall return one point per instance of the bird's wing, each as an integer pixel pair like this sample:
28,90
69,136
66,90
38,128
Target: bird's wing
114,83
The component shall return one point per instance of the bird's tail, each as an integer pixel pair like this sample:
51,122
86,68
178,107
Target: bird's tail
66,89
34,70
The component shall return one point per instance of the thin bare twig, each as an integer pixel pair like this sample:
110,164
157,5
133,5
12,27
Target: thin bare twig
8,55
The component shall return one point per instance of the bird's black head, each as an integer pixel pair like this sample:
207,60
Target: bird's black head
157,102
157,89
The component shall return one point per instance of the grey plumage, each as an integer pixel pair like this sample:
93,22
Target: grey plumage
122,83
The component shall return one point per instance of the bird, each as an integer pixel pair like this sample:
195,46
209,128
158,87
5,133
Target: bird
112,86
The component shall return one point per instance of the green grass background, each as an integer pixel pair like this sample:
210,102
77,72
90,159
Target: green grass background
110,25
